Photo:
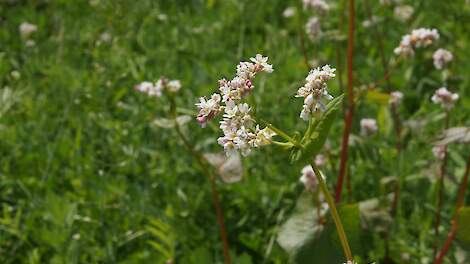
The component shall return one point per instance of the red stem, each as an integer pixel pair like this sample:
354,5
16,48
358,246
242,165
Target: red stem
220,220
460,202
349,114
441,192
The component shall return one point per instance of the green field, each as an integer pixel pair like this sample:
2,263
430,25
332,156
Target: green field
89,174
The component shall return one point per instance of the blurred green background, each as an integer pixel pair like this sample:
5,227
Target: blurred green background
84,173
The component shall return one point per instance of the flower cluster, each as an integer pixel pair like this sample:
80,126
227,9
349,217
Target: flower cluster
445,97
441,57
395,98
26,30
161,86
403,12
313,28
315,91
368,126
241,133
439,151
318,5
418,38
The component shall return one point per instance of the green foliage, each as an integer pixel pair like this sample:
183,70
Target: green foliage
317,132
87,164
307,238
463,232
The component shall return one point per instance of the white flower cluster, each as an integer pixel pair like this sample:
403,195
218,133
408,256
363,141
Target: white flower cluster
445,98
315,91
403,12
317,5
26,29
368,126
161,86
439,151
395,98
313,28
441,57
241,133
418,38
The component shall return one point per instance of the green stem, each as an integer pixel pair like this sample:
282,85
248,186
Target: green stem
334,213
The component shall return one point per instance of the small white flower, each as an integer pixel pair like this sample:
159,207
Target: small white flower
163,85
319,6
313,28
439,151
395,98
441,57
261,64
308,178
320,160
173,86
289,12
208,109
148,88
315,91
105,37
445,97
370,22
403,12
26,29
368,126
418,38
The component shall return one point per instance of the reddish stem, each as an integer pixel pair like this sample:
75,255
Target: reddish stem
220,220
459,204
441,192
349,113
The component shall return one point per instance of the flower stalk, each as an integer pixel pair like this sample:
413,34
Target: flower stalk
203,164
334,212
459,204
348,117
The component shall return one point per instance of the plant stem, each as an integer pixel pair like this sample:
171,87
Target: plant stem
349,113
215,194
440,192
334,213
459,204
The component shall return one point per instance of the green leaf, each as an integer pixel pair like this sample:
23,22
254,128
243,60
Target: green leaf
377,97
318,131
463,232
307,240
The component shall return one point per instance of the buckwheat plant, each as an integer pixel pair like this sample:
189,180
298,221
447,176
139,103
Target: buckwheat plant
168,89
419,38
446,99
242,132
441,58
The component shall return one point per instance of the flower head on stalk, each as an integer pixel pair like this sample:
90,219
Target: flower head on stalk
368,126
442,57
241,133
418,38
163,85
395,98
315,91
313,28
319,6
445,98
439,151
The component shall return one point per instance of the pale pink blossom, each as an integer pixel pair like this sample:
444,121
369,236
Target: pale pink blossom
445,98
